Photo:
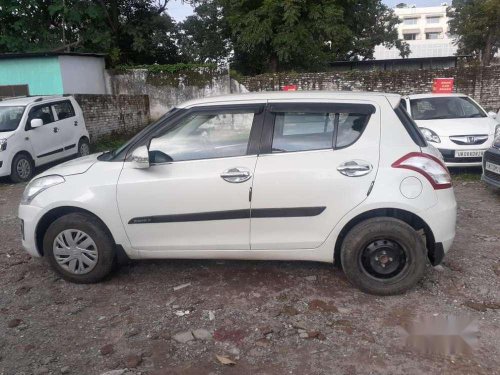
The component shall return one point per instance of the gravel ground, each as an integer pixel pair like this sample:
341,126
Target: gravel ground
176,317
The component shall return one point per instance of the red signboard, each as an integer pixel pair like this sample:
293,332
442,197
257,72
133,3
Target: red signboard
290,88
442,85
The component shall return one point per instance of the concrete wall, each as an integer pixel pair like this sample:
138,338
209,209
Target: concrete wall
41,74
106,115
83,74
168,90
481,83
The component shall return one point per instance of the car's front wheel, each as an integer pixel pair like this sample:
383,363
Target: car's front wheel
383,256
22,168
79,248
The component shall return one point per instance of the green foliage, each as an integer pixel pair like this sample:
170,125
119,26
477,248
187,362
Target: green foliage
168,68
271,35
476,26
132,31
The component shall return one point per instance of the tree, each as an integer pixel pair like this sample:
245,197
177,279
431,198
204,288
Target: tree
271,35
204,37
130,31
475,25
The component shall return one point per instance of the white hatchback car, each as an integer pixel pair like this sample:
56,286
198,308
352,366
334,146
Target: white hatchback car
39,130
317,176
456,125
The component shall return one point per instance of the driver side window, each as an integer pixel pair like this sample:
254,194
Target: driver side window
206,136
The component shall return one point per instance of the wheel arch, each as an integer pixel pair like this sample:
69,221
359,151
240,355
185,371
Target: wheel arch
50,216
415,221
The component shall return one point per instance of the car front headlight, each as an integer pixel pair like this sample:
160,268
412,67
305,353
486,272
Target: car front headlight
497,131
3,145
430,135
38,185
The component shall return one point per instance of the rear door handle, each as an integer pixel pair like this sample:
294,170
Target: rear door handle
56,129
236,175
355,168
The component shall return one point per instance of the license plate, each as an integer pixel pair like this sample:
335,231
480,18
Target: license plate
469,154
495,168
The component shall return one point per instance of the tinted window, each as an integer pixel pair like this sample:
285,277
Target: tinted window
10,118
444,108
410,125
205,136
64,110
294,131
43,112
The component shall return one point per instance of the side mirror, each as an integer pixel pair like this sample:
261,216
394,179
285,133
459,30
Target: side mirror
36,123
140,158
492,114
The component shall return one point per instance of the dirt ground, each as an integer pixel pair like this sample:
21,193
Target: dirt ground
175,317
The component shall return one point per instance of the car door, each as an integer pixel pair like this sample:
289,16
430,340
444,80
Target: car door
195,195
45,140
318,162
66,123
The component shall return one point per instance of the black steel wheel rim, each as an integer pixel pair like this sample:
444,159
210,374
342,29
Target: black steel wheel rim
383,259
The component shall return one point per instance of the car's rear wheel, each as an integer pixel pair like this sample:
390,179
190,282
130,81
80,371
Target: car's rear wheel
83,147
383,256
22,168
79,248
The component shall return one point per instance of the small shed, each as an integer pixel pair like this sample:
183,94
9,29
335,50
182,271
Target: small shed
52,73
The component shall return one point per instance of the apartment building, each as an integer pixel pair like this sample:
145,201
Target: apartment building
425,30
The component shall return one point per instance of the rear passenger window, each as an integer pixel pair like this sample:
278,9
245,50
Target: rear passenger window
64,110
303,131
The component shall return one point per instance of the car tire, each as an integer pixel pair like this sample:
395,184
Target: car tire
87,241
83,147
23,168
383,256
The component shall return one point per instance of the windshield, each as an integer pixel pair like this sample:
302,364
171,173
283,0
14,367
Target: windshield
10,118
448,107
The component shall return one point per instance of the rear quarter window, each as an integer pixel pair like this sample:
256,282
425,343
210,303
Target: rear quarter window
410,125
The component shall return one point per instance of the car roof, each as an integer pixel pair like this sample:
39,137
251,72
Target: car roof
430,95
393,99
26,100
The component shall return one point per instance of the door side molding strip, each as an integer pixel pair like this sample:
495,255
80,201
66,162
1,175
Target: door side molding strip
231,215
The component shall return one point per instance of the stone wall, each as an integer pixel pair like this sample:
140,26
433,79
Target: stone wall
166,90
114,114
481,83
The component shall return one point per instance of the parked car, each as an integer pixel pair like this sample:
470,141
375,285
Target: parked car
491,165
456,125
316,176
39,130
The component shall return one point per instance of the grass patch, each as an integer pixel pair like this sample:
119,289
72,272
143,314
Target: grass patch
109,143
467,175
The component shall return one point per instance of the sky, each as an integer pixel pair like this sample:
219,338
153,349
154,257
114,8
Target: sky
180,11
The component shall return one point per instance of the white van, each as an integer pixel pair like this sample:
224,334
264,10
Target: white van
39,130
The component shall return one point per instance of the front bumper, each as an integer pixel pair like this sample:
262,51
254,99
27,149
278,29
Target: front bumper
29,215
451,161
493,156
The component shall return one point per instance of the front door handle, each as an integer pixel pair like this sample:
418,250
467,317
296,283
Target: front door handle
56,129
236,175
355,168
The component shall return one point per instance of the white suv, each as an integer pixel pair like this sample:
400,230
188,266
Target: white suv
318,176
38,130
456,125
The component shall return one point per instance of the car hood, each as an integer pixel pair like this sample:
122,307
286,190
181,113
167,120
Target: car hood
6,135
76,166
460,126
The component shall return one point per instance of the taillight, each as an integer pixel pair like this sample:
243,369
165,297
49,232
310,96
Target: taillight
427,165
